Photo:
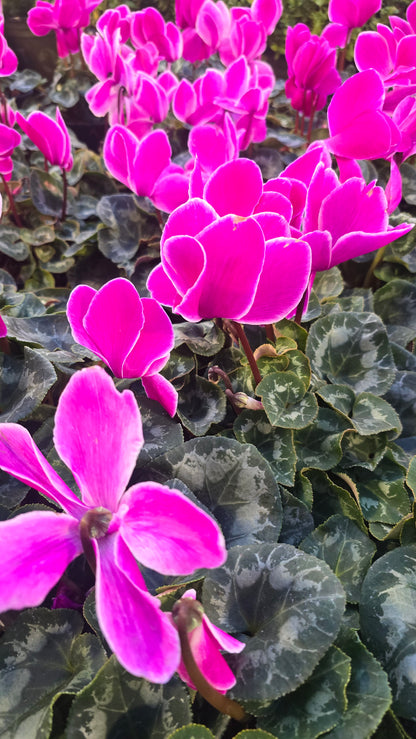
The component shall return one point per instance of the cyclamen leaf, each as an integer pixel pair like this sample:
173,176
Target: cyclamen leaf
347,550
24,383
352,349
122,706
291,605
193,731
319,444
395,303
275,444
387,613
368,692
232,480
43,655
203,338
295,716
119,239
200,405
285,402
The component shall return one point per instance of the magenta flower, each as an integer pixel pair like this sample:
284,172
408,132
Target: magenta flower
205,25
145,167
249,30
8,59
132,335
3,327
206,641
51,137
9,139
261,274
98,435
312,74
358,126
66,17
352,13
148,26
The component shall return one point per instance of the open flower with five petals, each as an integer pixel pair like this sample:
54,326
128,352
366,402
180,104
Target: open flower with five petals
98,434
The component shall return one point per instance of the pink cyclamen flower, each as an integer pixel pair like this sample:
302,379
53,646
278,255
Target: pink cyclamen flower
51,137
312,74
9,139
358,126
145,166
66,17
98,434
352,13
206,640
230,255
8,59
132,335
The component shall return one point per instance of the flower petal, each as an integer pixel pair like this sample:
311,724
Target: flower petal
168,533
114,320
139,633
283,281
98,434
159,388
20,456
156,340
235,187
35,550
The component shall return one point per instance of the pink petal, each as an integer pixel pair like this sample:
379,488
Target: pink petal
283,281
212,664
139,633
114,320
355,244
156,340
3,327
235,187
190,218
168,533
152,158
20,456
354,206
35,550
170,191
159,388
76,309
162,288
98,434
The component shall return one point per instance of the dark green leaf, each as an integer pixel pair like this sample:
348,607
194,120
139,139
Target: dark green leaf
203,338
24,383
232,480
285,402
291,605
42,656
352,349
46,191
316,706
347,550
319,444
201,403
388,606
275,444
119,241
118,705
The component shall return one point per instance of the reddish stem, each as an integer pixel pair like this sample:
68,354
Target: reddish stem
247,351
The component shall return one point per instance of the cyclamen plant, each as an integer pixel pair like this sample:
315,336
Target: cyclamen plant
202,511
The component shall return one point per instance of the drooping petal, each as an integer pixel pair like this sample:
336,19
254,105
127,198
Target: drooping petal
159,388
189,219
354,244
20,456
167,532
98,434
283,281
35,550
139,633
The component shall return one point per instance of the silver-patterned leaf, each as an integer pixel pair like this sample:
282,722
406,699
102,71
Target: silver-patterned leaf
203,338
319,444
42,656
368,692
200,404
352,349
232,480
395,303
285,402
275,444
372,415
24,383
289,603
347,550
388,622
316,706
118,705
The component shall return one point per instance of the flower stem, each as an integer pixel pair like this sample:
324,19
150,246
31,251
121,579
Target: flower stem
12,203
247,351
300,308
374,264
64,195
218,700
